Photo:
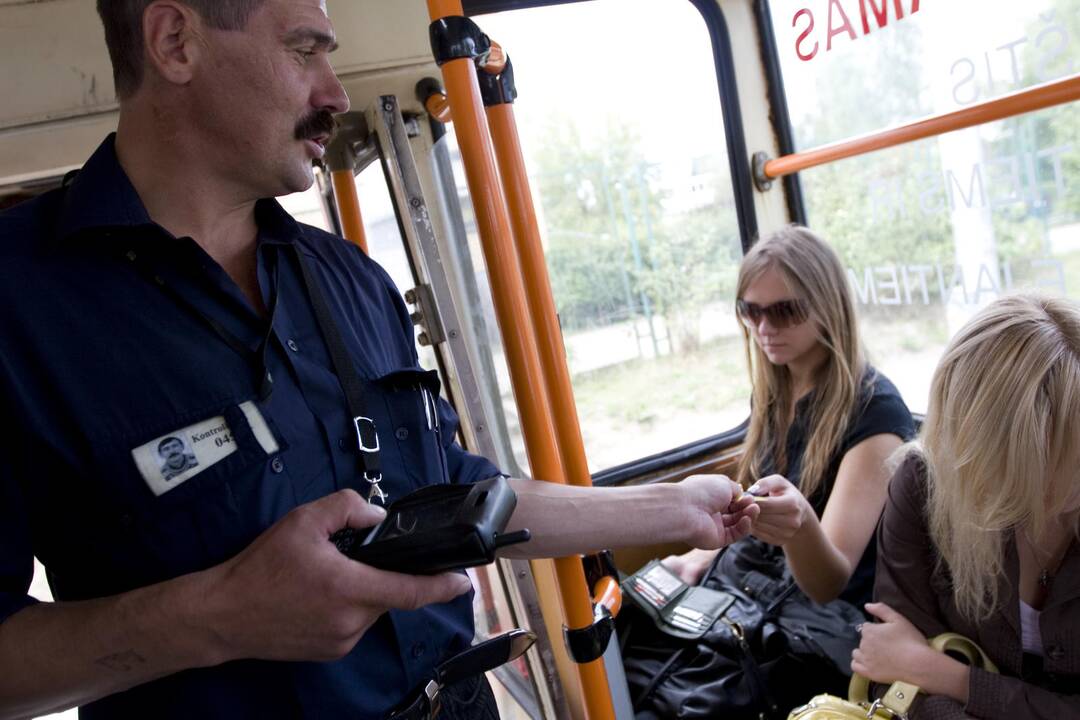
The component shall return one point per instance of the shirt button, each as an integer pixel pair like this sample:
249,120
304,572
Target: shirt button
417,650
402,433
277,465
127,520
292,345
1054,652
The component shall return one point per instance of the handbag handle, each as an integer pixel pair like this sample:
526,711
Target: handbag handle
901,695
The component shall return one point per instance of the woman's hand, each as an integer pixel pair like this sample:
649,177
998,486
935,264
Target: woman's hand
690,566
783,509
892,649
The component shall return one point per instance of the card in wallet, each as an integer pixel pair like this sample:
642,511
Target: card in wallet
677,608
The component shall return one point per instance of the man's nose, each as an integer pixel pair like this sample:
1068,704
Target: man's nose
330,94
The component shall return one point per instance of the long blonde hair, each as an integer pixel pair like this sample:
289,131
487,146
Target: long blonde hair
1000,437
813,272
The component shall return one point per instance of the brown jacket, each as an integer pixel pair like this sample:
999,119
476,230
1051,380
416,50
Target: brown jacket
908,582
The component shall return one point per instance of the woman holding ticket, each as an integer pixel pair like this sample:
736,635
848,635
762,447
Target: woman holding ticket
823,421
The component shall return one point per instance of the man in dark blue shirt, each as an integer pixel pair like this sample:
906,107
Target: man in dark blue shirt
177,454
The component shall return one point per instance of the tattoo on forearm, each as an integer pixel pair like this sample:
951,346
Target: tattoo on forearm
122,661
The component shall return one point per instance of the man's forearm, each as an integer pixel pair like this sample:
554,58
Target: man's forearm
58,655
567,520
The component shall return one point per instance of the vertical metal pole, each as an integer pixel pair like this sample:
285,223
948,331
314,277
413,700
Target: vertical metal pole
489,204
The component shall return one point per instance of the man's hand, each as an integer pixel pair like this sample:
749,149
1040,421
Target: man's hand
291,595
783,509
719,512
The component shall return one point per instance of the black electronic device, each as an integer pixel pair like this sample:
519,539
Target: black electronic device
437,528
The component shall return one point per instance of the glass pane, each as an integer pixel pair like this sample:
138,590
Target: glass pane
855,66
637,217
385,244
934,230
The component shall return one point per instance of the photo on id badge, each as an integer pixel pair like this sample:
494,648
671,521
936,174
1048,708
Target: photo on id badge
176,456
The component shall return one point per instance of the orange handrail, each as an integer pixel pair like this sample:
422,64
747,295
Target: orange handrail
549,338
538,290
512,313
348,205
1037,98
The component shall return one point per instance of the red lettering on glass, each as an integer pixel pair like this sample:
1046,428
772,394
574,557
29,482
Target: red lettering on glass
880,14
802,36
833,29
839,23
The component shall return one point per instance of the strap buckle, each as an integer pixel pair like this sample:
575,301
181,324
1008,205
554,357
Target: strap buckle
879,704
367,438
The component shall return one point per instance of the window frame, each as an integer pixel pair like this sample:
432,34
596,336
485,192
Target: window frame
742,191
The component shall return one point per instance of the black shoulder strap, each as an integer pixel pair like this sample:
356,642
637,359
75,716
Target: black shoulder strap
367,439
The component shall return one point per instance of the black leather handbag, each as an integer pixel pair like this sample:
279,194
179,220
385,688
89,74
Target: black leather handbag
772,649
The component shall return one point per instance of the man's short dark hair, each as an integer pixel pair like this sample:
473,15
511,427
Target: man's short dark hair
123,32
171,440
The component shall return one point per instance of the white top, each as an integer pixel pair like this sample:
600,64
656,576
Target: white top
1030,636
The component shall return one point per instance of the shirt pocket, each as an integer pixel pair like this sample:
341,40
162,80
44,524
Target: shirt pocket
415,429
158,528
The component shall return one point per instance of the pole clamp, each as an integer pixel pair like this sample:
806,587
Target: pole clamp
456,37
498,89
589,643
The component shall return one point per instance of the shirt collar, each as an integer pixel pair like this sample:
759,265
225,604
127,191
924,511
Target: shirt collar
101,196
276,226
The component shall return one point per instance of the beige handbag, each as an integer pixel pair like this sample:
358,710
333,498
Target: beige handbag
895,703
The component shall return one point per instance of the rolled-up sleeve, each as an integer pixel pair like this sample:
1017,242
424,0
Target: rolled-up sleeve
16,554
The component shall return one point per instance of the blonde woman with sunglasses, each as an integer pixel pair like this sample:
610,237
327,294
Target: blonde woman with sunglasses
822,421
980,531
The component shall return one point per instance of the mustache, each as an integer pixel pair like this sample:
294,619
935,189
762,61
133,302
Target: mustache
320,122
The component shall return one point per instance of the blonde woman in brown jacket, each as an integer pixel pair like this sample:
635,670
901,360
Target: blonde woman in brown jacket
980,530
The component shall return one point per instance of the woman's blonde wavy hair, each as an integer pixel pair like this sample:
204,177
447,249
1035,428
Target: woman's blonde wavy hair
813,272
1000,438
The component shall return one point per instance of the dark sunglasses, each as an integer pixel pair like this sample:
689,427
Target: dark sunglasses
782,314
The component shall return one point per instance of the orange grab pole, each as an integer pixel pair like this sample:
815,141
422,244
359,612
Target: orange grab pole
538,290
1024,101
530,251
348,204
470,126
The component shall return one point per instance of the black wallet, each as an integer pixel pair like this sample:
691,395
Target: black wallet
678,609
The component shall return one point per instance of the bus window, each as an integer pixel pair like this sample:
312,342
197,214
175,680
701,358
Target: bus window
934,230
634,199
380,225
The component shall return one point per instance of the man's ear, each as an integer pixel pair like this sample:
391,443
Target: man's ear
172,37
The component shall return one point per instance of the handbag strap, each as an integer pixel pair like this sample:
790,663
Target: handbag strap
901,695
